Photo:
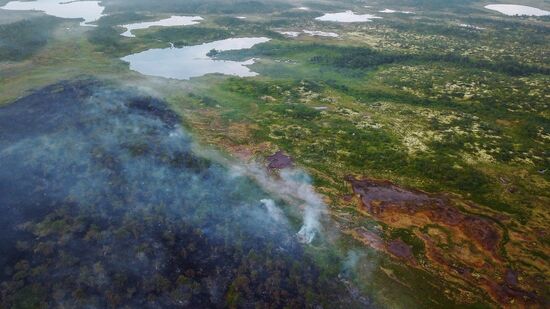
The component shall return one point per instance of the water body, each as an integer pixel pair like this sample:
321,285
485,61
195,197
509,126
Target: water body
321,33
193,61
294,34
347,17
114,198
290,34
517,10
394,11
168,22
90,11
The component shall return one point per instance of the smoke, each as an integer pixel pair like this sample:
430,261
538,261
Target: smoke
104,192
274,212
122,164
300,182
293,186
350,263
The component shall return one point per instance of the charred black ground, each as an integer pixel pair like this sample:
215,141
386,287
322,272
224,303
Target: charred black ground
104,203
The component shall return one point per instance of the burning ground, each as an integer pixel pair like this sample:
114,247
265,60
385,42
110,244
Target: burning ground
105,203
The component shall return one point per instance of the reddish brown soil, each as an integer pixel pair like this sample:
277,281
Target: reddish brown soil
401,250
484,267
371,239
279,160
379,197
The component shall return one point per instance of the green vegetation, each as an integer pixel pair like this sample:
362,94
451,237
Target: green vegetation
361,138
20,40
188,35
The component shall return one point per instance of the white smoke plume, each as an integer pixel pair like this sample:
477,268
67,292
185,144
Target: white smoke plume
293,186
275,212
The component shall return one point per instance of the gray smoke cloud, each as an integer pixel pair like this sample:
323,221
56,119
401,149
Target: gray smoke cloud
293,186
117,161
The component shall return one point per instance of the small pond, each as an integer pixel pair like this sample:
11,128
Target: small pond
347,17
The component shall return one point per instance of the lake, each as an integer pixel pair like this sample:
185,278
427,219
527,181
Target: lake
193,61
321,33
515,10
168,22
389,11
90,11
347,17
